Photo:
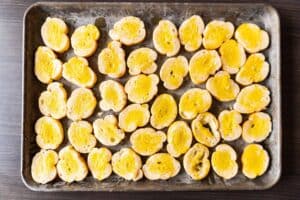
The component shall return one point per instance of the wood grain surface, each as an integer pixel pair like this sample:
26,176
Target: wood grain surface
11,186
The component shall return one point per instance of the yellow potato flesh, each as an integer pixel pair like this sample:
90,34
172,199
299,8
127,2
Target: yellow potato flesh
44,66
254,160
78,70
130,28
161,164
250,35
191,34
54,32
86,37
222,161
147,142
215,35
252,70
232,55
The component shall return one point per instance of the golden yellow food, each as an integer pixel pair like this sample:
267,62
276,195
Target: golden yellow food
193,102
210,135
173,71
127,164
233,56
111,60
54,34
252,98
43,168
147,141
107,132
161,166
78,72
165,38
251,37
190,33
99,163
202,64
71,165
257,128
196,163
47,67
216,32
142,60
163,111
222,87
80,135
50,133
230,128
84,40
129,30
113,96
255,70
81,104
223,161
179,138
134,116
255,161
53,101
141,88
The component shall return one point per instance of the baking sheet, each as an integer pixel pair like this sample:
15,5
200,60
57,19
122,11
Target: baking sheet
104,15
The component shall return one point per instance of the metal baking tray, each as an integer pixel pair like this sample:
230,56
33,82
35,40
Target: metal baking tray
104,15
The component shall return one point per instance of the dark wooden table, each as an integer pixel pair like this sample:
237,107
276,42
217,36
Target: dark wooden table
11,186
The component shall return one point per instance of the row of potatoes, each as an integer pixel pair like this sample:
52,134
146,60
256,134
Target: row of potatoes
141,88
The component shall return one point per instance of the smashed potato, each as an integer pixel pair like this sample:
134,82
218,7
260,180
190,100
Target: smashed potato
163,111
127,164
179,138
173,71
129,30
113,96
216,32
53,101
142,60
255,161
54,34
190,33
223,161
210,135
165,38
78,72
47,67
141,88
257,128
107,132
134,116
222,87
194,101
71,166
230,127
80,135
43,168
50,133
147,141
84,40
252,98
196,163
99,163
251,37
161,166
255,70
202,64
233,56
111,60
81,104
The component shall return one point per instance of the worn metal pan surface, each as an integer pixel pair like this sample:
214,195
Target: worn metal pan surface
104,15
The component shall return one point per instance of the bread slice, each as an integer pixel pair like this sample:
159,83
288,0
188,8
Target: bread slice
84,40
54,34
43,168
71,165
129,30
47,67
53,101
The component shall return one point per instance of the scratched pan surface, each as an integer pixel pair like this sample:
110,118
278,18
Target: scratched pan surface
104,15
